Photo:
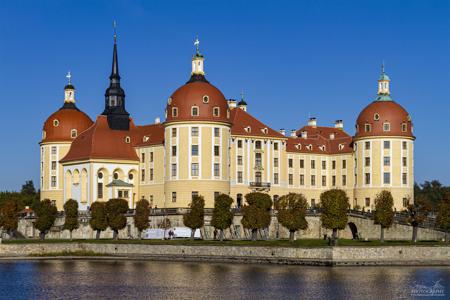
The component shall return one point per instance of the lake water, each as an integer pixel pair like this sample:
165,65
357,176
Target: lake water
94,279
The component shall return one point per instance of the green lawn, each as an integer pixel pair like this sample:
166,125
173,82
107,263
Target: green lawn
270,243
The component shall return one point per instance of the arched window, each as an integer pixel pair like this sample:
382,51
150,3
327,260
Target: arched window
174,112
404,127
73,133
194,111
216,112
127,139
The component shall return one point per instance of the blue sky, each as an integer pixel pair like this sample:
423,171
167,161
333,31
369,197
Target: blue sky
293,59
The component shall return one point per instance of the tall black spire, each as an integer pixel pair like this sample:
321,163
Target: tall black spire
118,117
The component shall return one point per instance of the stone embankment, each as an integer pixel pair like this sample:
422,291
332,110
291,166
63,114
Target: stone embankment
328,256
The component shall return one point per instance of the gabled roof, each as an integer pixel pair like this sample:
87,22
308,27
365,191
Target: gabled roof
119,183
320,140
101,142
148,135
245,124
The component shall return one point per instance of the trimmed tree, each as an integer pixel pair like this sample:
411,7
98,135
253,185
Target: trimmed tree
46,216
222,216
443,215
71,216
9,217
334,204
141,215
292,213
115,215
256,213
417,213
194,219
98,219
384,212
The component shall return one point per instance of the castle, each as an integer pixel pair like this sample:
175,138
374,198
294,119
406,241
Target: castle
209,145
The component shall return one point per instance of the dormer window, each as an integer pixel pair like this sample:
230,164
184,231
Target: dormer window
73,133
205,99
248,129
174,112
216,111
367,127
265,130
145,138
322,148
194,111
309,147
386,126
55,122
404,127
169,101
127,139
341,146
298,146
376,116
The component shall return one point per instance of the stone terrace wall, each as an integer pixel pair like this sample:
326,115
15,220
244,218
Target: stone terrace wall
365,227
412,255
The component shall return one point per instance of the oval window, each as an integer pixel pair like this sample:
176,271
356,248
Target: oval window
376,116
205,99
55,122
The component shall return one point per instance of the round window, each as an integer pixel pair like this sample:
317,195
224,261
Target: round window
116,175
130,176
100,175
205,99
55,123
376,116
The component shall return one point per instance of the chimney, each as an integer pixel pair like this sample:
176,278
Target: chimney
305,134
232,103
339,124
282,131
312,122
293,133
157,120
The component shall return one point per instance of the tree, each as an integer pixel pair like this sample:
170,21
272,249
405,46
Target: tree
164,224
70,216
222,216
384,212
46,216
9,217
142,213
256,213
334,205
194,219
28,193
292,213
417,213
98,220
443,215
115,215
433,190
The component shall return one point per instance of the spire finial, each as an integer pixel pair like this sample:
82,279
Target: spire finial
197,45
382,67
69,78
242,94
115,31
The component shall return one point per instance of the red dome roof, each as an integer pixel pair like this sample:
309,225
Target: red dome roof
210,103
59,125
378,113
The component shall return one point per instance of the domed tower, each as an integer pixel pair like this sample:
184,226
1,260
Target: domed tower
384,150
197,140
60,129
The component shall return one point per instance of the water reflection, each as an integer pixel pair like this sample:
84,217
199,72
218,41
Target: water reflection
168,280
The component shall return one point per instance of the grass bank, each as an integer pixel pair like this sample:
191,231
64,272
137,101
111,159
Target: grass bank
310,243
